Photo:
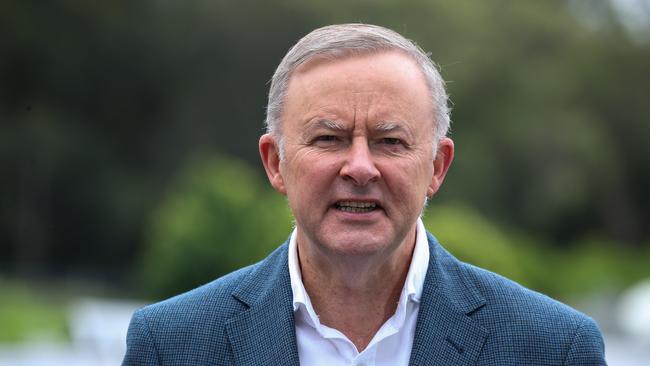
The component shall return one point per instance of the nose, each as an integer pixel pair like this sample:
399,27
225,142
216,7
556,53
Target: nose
359,166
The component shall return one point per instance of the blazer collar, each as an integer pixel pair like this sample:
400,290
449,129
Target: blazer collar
445,333
265,334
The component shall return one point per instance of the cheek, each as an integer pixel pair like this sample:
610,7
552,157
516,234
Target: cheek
308,178
321,166
408,181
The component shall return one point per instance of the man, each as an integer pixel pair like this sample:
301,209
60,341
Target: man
357,122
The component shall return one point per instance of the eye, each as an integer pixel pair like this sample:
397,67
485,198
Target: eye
326,138
326,141
391,141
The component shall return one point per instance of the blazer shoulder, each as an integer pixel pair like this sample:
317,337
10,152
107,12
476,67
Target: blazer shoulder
191,328
215,295
496,293
523,325
217,299
551,330
517,300
171,331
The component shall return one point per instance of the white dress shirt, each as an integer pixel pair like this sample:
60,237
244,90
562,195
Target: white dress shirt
319,344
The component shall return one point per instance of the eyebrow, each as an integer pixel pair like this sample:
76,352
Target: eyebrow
385,127
388,127
327,124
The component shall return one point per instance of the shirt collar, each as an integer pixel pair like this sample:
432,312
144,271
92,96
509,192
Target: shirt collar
413,284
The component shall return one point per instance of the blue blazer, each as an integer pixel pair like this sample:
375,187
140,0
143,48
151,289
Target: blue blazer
467,316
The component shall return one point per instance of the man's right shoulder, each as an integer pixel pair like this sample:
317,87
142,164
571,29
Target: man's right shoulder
191,327
219,297
215,296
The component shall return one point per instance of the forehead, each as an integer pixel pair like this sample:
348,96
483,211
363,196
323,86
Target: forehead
376,83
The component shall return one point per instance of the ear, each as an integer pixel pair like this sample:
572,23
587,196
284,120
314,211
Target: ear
441,163
270,154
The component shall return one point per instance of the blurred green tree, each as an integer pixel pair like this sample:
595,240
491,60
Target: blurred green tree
219,216
102,103
474,239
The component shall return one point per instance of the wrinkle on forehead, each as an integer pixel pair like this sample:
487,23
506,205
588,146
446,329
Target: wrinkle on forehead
383,91
358,107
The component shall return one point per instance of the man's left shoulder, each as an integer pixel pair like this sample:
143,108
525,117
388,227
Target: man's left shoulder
522,324
516,303
514,313
513,302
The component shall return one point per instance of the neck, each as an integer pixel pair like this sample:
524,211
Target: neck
355,294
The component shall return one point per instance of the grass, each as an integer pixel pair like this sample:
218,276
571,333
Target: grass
29,313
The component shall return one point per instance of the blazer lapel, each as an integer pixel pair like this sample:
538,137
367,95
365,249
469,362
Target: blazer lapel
265,333
445,333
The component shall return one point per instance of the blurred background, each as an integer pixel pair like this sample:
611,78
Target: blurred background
129,169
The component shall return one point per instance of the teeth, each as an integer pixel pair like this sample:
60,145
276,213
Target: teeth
352,206
355,209
357,204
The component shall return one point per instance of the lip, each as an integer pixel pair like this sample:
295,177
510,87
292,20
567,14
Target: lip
357,199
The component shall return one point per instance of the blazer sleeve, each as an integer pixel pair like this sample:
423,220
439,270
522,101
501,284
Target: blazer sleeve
140,346
587,347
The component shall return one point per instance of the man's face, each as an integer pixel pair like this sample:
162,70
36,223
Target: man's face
358,144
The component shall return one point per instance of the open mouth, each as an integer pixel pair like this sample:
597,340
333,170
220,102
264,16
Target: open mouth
355,207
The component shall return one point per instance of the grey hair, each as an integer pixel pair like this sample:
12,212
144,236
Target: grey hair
342,40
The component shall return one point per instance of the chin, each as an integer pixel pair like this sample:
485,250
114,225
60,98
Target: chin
356,244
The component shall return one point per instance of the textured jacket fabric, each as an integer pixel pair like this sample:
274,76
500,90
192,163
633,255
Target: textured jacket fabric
467,316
